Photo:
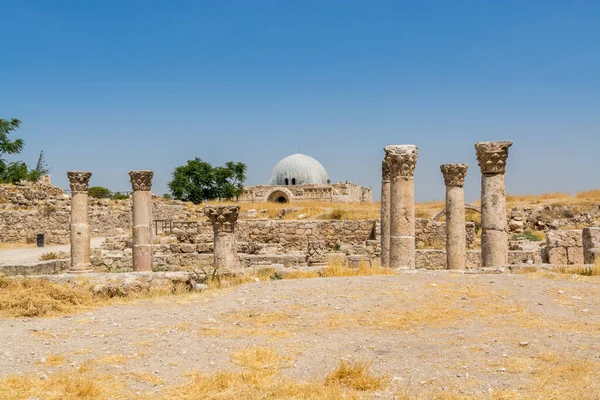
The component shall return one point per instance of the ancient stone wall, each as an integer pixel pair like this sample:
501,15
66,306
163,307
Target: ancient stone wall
564,247
29,209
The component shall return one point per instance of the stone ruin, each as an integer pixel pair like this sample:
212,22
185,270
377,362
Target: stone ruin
398,240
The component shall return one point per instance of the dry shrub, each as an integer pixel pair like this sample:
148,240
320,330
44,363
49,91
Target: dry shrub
49,256
354,375
54,359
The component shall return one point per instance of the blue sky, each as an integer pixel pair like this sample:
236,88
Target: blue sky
110,86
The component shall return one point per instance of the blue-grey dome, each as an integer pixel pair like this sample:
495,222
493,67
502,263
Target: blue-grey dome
298,169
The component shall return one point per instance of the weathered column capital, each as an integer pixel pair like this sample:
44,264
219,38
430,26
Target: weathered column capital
454,174
386,170
402,160
316,252
141,180
79,180
223,217
492,156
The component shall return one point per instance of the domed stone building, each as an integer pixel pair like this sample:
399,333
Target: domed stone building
299,178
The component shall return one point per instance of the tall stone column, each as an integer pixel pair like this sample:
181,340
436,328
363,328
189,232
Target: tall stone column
403,160
223,219
141,183
494,239
80,227
385,212
456,232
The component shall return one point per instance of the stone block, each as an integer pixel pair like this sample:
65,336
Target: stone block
557,255
591,240
572,238
575,255
187,247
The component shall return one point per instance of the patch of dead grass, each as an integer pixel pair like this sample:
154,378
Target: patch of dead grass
62,386
53,360
260,378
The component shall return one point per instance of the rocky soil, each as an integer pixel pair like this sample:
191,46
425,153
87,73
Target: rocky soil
430,332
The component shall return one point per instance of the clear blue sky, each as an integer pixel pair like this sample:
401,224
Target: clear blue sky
110,86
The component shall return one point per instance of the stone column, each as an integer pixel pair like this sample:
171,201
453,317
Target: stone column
385,212
80,228
494,239
141,183
223,219
403,159
456,232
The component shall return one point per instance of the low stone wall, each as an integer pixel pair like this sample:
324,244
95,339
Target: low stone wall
33,208
564,247
50,267
294,235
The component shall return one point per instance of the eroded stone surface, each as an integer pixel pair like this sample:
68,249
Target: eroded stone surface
80,228
456,235
402,160
492,156
223,219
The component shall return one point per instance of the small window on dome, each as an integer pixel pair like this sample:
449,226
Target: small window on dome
328,181
293,181
287,182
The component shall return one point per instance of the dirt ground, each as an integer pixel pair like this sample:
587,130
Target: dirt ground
429,333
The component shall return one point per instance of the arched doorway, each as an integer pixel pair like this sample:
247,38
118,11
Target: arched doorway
278,196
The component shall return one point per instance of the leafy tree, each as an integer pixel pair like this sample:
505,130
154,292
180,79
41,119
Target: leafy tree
120,196
42,167
99,192
198,181
14,171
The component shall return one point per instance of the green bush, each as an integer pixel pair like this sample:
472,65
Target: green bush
99,192
120,196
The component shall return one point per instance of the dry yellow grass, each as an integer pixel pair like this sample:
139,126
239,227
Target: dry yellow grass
337,267
260,378
34,297
53,360
584,270
37,297
62,386
354,375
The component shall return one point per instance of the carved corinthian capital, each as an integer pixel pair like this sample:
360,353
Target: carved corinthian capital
402,160
492,156
454,174
316,252
141,181
79,180
385,169
222,218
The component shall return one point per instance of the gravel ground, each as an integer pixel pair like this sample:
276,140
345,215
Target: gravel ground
429,332
32,254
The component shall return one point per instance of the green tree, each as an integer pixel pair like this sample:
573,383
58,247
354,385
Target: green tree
198,181
99,192
42,167
14,171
